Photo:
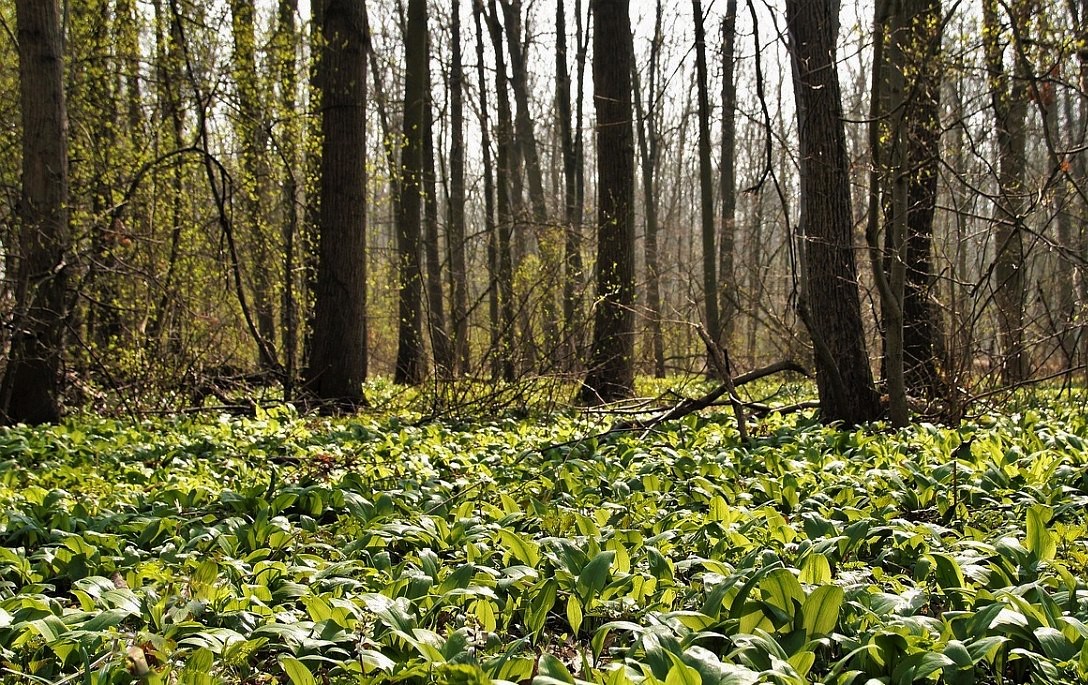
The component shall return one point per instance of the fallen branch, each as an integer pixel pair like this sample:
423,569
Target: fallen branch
691,405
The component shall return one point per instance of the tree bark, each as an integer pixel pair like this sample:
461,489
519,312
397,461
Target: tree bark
410,368
830,304
611,364
338,349
458,274
31,387
706,183
727,289
1008,97
648,152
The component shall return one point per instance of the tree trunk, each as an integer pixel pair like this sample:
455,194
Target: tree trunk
338,353
830,304
456,229
726,277
611,363
495,327
648,152
572,257
504,206
252,129
706,183
410,368
285,64
1009,100
31,387
441,348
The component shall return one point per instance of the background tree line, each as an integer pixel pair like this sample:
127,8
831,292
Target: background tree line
496,189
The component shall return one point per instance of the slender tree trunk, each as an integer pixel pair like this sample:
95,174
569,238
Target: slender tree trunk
338,354
706,184
441,347
255,194
493,295
726,276
830,303
504,206
285,66
456,229
647,145
611,364
572,258
410,368
1009,100
31,386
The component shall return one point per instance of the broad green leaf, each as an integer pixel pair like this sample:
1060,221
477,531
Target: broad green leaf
821,610
574,613
541,603
552,667
682,674
781,589
1039,540
595,575
296,671
816,570
524,550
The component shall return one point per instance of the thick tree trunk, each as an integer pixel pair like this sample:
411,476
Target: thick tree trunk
611,363
338,354
410,367
31,386
830,304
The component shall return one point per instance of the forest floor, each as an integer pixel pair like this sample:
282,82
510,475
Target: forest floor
535,545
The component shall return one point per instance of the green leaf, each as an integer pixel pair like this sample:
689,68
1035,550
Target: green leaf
595,575
781,589
552,667
816,570
574,613
524,550
541,603
296,671
821,610
682,674
1039,540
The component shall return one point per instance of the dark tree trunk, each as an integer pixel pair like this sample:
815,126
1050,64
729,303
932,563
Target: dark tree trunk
611,363
31,387
504,176
706,183
727,290
1009,100
572,259
338,348
459,313
410,363
830,304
